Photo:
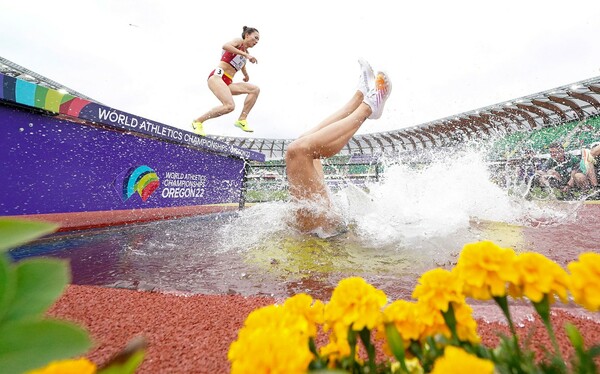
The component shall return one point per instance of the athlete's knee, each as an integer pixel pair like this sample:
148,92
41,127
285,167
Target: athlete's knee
297,148
228,107
291,152
254,90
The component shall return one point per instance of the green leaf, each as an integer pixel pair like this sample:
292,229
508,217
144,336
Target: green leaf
128,360
14,233
39,282
127,367
574,336
27,345
7,284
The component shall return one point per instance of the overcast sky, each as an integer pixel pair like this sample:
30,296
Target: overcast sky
152,58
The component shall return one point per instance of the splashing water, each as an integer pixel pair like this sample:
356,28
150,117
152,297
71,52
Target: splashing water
411,220
409,206
435,202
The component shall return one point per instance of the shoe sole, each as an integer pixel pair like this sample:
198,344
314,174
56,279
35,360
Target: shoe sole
243,129
365,69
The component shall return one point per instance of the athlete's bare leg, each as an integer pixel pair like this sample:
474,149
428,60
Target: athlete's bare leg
251,91
304,169
223,93
341,113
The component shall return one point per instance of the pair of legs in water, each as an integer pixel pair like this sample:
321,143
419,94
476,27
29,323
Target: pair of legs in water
314,211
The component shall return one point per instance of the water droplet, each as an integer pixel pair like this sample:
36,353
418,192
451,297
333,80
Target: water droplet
30,124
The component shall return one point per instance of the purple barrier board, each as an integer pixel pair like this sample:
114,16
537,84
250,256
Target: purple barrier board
82,164
52,165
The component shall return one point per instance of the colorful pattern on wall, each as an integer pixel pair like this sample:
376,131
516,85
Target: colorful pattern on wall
34,95
141,179
37,96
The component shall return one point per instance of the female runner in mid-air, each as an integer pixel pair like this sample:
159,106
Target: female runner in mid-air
220,81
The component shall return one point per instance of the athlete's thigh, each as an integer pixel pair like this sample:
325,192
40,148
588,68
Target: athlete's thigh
240,88
220,89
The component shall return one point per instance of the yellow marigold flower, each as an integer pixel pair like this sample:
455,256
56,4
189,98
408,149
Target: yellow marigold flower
485,269
302,304
584,281
273,340
405,316
278,316
355,303
432,320
77,366
338,346
466,326
457,361
539,276
438,288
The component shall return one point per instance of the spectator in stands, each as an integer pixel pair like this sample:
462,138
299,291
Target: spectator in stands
589,160
315,211
562,170
220,81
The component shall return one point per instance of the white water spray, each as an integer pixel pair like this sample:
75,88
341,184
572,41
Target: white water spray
407,206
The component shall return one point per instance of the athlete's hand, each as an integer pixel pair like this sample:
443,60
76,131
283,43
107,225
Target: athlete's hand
246,78
252,59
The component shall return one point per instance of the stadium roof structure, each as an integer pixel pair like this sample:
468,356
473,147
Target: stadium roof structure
572,102
17,71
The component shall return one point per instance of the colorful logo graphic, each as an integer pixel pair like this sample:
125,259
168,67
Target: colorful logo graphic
140,179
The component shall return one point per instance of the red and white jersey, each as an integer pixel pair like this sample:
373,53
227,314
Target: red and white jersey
235,60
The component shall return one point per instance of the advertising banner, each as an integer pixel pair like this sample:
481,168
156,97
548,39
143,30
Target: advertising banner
54,165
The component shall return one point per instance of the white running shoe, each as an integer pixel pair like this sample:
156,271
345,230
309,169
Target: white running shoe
366,81
377,96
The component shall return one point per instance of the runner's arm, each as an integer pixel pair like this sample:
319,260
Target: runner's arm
231,47
245,72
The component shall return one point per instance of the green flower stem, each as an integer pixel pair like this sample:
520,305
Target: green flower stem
450,320
352,343
396,344
416,350
318,362
365,336
543,309
502,301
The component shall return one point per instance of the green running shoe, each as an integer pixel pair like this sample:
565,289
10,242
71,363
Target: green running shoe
243,124
198,128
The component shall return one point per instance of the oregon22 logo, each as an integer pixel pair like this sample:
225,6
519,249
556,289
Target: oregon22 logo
140,179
